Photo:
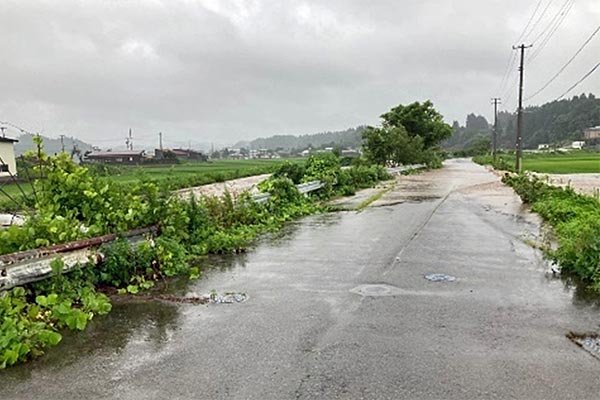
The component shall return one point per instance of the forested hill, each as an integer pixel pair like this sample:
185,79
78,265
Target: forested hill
555,122
51,146
349,138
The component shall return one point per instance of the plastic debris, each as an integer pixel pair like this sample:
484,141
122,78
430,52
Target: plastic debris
440,278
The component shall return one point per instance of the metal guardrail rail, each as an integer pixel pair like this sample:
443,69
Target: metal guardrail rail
34,265
404,168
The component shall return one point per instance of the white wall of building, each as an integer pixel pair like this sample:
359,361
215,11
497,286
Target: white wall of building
7,153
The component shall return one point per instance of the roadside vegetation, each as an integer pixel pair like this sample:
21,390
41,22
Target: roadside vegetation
575,218
576,222
74,202
169,177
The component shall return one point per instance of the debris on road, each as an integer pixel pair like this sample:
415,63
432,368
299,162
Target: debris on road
590,342
440,278
190,298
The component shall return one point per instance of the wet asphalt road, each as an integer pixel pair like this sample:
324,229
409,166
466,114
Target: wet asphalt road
497,332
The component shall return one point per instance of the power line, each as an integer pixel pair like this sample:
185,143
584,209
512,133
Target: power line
507,72
566,65
513,56
554,26
539,19
583,78
537,7
552,21
16,127
508,94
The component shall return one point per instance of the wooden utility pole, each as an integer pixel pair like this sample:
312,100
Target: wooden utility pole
495,101
129,141
519,138
62,143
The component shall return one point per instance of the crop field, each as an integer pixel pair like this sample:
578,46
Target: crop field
570,163
576,162
176,176
218,168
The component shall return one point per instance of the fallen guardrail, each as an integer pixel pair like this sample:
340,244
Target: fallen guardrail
404,168
34,265
29,266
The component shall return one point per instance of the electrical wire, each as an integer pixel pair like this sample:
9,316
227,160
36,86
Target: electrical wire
507,72
537,7
553,26
566,65
538,20
512,58
583,78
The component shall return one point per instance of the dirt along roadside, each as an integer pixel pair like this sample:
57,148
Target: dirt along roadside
582,183
234,187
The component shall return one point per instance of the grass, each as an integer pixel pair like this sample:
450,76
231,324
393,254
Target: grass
176,176
570,163
575,162
163,172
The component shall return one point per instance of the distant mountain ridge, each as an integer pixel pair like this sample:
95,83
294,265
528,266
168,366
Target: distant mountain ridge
555,122
351,137
51,146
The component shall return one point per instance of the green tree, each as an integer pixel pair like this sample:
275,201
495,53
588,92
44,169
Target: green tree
408,135
383,145
421,120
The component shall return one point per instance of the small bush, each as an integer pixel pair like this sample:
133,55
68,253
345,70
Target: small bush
576,219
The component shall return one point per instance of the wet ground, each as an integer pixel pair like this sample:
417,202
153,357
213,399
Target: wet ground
583,183
234,187
338,307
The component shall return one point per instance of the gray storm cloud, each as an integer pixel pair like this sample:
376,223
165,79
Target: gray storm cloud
219,71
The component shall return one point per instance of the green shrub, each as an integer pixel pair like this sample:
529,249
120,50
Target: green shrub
293,171
576,219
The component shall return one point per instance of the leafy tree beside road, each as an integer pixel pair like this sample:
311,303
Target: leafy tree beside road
408,134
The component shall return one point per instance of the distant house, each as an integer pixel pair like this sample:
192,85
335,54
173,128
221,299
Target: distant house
180,154
592,134
350,153
8,164
116,157
578,145
543,146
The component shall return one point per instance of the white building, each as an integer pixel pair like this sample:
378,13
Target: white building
8,164
543,146
577,145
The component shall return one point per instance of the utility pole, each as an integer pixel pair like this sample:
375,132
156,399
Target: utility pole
495,101
62,143
519,138
160,141
129,141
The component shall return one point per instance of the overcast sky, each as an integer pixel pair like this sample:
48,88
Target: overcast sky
219,71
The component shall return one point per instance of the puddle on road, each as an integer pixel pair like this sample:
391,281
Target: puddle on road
375,290
440,278
589,342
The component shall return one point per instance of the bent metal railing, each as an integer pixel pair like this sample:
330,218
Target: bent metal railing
34,265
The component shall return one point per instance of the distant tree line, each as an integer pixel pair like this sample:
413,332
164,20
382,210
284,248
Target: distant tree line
556,122
348,138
